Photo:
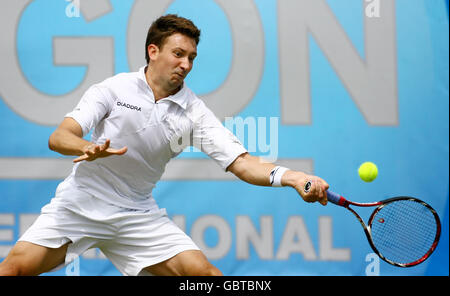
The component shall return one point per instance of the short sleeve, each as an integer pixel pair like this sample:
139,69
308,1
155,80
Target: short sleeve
212,138
93,107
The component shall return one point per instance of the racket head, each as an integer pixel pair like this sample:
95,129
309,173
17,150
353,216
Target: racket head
404,231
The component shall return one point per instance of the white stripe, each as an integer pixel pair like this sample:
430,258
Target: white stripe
35,168
6,235
177,169
6,219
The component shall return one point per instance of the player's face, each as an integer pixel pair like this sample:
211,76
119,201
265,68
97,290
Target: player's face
174,60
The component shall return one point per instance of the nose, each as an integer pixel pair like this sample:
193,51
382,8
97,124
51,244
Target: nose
185,64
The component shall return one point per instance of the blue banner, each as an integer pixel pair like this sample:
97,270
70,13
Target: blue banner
316,85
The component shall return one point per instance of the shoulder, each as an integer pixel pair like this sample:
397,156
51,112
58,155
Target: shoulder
196,108
111,86
119,81
194,103
198,112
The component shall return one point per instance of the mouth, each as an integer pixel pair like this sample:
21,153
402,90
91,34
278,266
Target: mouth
179,75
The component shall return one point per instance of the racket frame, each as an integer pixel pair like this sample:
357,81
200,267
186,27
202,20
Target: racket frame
343,202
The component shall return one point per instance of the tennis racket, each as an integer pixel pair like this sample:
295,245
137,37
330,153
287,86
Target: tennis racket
403,231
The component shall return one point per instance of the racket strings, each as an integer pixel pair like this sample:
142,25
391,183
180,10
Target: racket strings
404,231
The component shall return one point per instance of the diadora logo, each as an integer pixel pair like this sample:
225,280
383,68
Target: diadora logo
126,105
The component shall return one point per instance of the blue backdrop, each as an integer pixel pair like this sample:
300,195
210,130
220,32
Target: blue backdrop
244,229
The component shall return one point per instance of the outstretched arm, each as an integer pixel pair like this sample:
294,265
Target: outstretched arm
254,170
67,139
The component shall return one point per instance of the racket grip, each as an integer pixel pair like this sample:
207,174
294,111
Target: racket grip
335,198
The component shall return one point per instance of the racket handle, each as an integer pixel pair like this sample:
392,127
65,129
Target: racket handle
335,198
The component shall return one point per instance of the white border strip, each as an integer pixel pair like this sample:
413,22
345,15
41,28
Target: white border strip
177,169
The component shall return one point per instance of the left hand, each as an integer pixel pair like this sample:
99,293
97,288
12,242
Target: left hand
94,151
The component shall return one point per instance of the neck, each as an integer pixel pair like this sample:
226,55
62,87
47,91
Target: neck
158,87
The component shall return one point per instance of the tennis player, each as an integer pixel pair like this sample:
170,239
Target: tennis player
106,202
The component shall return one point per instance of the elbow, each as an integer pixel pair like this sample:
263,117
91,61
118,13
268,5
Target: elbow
51,142
238,167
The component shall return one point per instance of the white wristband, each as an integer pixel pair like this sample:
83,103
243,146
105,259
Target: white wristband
276,174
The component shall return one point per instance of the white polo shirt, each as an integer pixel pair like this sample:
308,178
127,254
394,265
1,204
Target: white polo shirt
122,108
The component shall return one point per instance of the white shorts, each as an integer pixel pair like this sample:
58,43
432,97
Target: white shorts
131,239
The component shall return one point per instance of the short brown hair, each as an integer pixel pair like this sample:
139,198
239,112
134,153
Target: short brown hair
166,26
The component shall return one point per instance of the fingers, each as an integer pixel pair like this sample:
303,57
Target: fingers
105,146
315,190
323,200
89,151
83,157
94,151
109,151
80,158
120,151
325,188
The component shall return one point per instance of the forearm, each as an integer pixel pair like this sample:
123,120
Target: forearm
67,139
256,173
67,143
254,170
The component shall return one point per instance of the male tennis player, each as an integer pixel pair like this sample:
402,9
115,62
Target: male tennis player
106,202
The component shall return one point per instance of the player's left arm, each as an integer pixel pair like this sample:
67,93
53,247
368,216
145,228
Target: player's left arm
256,171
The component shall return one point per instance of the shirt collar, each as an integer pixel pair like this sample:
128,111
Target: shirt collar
179,98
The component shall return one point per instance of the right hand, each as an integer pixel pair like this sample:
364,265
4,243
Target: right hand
93,151
315,191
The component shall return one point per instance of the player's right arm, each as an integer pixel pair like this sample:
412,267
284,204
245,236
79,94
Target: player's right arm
67,139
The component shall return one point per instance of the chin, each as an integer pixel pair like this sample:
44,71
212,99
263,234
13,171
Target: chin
176,84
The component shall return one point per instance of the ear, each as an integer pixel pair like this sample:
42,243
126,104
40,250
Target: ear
153,51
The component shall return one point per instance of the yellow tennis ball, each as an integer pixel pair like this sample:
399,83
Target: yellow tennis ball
368,171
